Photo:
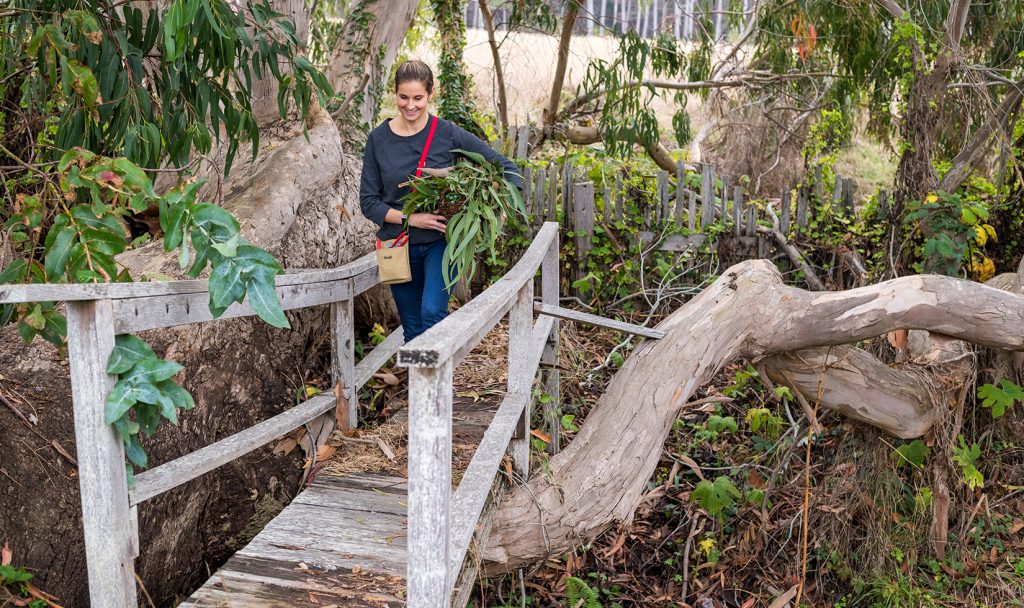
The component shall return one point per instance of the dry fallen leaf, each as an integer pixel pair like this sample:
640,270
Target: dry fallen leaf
785,598
541,435
388,378
690,462
385,449
285,446
356,569
325,451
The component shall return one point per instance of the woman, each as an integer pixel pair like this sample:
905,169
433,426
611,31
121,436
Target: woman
392,156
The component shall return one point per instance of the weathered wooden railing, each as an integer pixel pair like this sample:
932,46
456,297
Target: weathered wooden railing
441,523
95,314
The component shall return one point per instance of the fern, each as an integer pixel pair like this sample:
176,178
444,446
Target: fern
580,595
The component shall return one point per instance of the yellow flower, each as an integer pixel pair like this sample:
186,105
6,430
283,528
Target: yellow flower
931,198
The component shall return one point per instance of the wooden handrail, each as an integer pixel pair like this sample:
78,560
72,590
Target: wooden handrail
158,480
67,292
440,527
465,328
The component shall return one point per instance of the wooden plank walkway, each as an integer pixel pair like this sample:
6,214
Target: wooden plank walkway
341,542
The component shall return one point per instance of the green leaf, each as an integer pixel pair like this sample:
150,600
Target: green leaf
119,401
181,397
264,301
716,497
226,284
128,350
229,247
14,272
151,370
914,453
81,80
1000,398
134,452
58,253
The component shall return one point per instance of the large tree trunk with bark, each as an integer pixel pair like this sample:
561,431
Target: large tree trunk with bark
599,479
299,200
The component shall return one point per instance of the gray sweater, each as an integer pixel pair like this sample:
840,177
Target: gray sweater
390,159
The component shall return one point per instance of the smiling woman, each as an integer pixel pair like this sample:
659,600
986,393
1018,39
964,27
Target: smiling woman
396,151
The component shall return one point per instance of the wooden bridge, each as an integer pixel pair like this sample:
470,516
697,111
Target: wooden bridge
362,540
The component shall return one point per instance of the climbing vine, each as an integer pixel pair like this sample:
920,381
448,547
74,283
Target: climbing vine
454,84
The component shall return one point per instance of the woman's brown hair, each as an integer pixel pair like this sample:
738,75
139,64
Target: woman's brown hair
415,70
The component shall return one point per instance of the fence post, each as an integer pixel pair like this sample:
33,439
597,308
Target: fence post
801,207
582,224
523,142
661,187
343,356
111,539
725,198
691,220
520,377
737,210
786,204
430,485
552,215
707,196
549,283
680,190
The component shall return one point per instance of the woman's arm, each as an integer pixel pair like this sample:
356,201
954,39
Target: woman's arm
371,190
464,140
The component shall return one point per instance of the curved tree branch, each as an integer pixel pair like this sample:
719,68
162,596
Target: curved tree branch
600,478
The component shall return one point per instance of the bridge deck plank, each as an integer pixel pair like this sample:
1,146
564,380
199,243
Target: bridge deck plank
341,540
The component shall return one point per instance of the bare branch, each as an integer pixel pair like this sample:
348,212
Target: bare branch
563,58
956,21
975,150
893,7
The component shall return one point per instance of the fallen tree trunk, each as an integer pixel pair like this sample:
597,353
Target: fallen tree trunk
599,478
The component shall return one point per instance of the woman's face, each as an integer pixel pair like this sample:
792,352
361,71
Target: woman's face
412,98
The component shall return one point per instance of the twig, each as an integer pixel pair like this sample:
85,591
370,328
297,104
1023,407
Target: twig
807,481
792,252
16,411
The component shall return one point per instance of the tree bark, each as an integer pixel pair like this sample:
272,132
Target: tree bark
600,477
298,200
568,22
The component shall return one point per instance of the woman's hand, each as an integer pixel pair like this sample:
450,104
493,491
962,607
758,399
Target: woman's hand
427,221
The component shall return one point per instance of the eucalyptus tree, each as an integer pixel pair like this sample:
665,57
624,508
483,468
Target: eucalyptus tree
151,140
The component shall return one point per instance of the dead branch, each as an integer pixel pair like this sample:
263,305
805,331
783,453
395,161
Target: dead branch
791,251
601,476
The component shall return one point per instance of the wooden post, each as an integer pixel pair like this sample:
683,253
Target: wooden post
523,142
819,188
343,356
552,193
752,221
725,198
567,206
540,199
111,539
430,485
786,204
520,375
662,191
849,193
691,220
551,375
583,224
707,196
801,207
680,189
737,210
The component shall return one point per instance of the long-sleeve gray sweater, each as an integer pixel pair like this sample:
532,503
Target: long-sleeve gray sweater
390,159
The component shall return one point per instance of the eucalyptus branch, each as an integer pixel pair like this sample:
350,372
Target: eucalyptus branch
754,79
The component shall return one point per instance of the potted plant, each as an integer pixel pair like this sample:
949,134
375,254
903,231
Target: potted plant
475,198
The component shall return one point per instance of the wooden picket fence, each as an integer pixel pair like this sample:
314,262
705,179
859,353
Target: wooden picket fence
560,193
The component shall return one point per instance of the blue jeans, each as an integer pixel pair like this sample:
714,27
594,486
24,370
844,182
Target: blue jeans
423,301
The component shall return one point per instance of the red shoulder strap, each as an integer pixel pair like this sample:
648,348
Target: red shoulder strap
426,147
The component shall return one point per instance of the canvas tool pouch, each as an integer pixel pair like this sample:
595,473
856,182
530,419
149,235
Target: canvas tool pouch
393,261
393,255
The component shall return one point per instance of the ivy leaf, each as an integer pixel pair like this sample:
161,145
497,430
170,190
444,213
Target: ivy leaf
134,452
128,350
1000,398
182,399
